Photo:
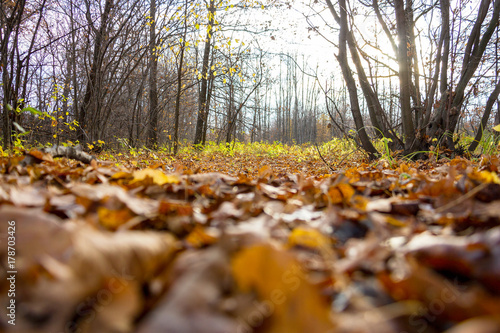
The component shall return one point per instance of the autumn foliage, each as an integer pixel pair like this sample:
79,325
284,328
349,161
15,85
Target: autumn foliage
246,243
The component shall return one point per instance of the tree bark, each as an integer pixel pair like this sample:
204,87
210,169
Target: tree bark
91,104
349,79
446,118
372,101
470,67
179,83
404,75
10,23
202,105
152,133
442,58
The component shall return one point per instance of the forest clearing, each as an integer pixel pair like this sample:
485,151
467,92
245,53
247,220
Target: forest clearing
249,166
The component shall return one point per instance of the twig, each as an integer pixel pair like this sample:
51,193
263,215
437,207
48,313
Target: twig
324,161
346,156
461,199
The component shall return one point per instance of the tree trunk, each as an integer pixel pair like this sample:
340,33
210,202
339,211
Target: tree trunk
152,133
9,25
404,75
441,61
91,104
374,108
73,63
207,107
470,67
446,119
179,83
349,79
202,105
486,115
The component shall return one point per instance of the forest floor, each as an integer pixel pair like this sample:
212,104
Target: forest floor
256,239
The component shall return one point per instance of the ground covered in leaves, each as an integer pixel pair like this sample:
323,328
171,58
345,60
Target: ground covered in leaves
247,243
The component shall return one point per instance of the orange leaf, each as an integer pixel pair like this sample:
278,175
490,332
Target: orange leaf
287,299
342,193
113,218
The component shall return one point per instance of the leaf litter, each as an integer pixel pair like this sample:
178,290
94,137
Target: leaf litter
279,246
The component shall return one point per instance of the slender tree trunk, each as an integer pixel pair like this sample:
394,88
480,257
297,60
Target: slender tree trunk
404,75
471,66
91,104
207,107
73,63
486,115
6,89
374,108
349,79
414,68
446,119
179,83
10,24
202,105
497,74
152,133
230,115
442,58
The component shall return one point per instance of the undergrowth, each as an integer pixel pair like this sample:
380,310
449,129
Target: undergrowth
334,153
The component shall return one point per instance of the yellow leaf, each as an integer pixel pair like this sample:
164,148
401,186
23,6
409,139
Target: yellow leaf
341,193
201,236
395,222
485,177
113,218
197,26
310,238
120,175
157,176
497,128
289,301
